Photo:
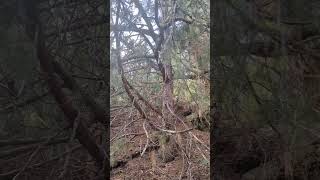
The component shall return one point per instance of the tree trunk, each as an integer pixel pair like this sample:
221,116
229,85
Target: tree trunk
167,74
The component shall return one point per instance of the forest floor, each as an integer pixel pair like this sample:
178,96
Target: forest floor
190,163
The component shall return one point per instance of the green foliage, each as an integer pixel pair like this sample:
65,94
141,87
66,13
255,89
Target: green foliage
117,148
203,162
32,119
17,53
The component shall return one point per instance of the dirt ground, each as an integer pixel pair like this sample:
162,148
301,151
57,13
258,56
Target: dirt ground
192,161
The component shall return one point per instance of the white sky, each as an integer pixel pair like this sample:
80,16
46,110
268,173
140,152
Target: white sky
135,12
